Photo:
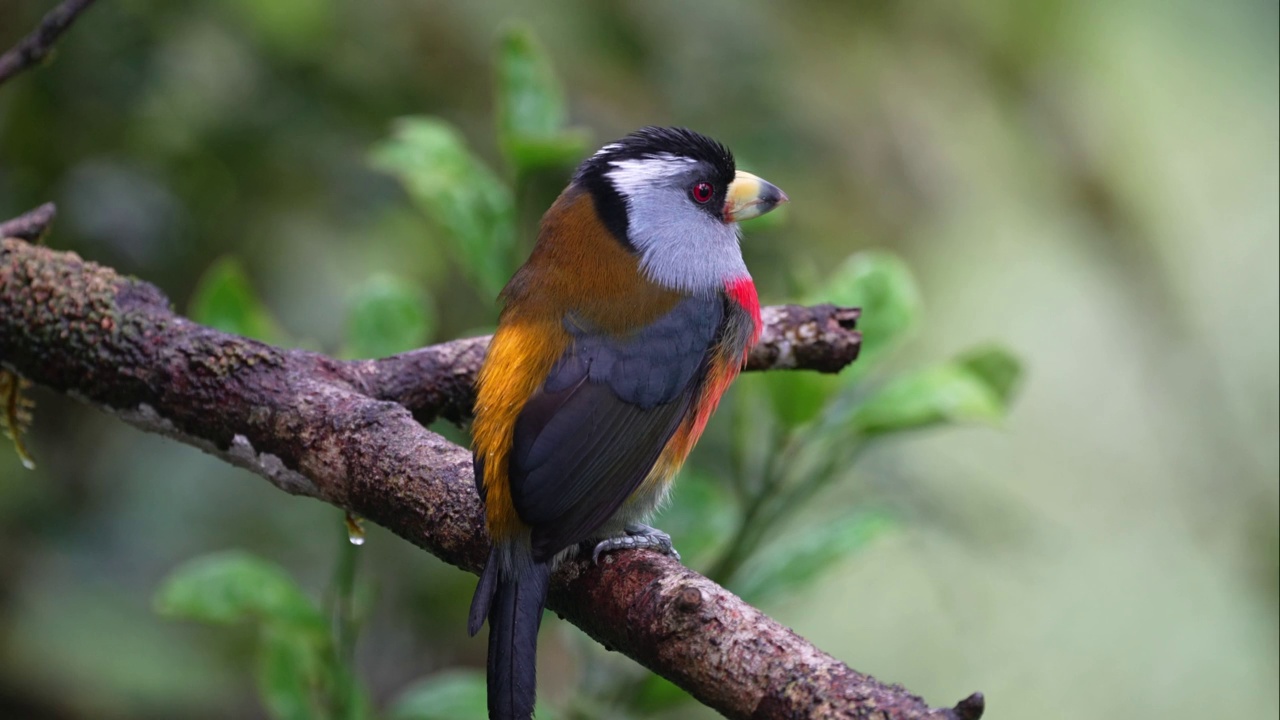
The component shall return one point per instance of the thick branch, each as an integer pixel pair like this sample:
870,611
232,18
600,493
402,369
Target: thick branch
304,422
35,46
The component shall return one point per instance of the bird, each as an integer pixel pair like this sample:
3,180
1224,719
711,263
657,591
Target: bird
616,340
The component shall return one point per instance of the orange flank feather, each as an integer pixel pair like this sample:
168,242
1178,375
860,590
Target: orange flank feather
520,356
576,267
719,376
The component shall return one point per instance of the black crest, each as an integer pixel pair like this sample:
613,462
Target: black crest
655,141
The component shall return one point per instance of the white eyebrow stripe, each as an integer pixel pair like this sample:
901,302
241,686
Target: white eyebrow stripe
633,174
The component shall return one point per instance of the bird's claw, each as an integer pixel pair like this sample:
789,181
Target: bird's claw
637,536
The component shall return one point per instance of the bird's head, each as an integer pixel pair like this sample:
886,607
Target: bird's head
674,198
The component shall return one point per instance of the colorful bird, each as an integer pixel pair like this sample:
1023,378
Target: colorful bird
616,341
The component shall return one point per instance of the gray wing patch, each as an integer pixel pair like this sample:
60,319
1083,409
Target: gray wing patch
590,435
651,366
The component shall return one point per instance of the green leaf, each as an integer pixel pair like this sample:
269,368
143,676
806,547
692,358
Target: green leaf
464,198
527,153
299,679
997,367
298,673
292,675
231,587
881,284
977,387
791,566
387,315
531,106
224,299
459,695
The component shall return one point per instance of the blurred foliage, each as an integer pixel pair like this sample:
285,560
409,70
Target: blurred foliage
451,696
468,201
976,387
1094,184
387,316
531,108
882,286
300,673
224,299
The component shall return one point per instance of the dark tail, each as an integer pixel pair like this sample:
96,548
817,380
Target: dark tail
514,606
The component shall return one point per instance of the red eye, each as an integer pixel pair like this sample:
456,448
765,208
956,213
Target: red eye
702,192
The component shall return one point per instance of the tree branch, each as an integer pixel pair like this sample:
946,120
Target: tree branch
438,381
31,225
35,46
328,429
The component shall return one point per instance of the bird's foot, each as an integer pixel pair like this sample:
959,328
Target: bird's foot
638,535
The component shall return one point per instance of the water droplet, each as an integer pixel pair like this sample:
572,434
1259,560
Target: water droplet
28,463
355,531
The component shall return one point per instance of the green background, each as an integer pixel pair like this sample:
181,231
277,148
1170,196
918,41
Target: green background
1092,184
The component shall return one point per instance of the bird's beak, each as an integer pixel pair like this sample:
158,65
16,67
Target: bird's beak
749,197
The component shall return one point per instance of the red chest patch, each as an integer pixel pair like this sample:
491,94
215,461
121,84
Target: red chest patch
743,292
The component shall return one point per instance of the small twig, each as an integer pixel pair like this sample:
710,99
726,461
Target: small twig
33,48
30,226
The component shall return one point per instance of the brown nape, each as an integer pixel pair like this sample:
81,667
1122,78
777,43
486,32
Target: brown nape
578,265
